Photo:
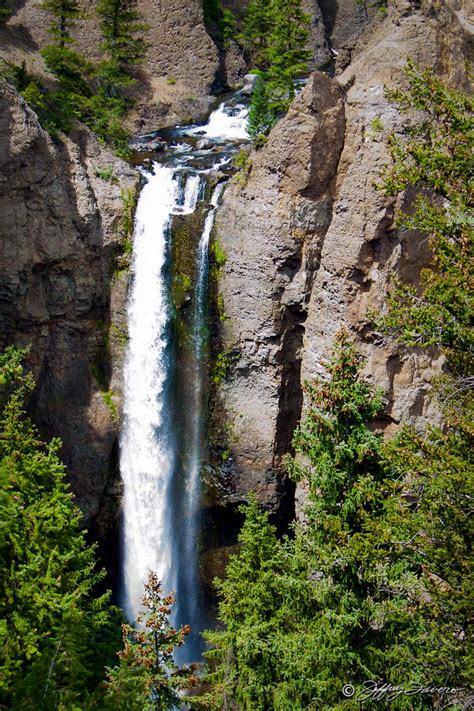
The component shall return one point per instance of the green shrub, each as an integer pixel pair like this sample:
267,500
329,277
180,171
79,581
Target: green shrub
377,124
120,334
218,254
129,199
108,397
106,174
243,163
221,366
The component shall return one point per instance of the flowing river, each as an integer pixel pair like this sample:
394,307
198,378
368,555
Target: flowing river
162,446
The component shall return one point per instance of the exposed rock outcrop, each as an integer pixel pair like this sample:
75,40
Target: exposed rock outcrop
344,20
180,66
311,245
271,231
60,233
318,40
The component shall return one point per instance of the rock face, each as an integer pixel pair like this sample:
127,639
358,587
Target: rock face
311,245
59,236
318,41
181,63
344,20
271,231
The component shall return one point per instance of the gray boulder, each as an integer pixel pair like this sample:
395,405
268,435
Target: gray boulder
250,81
204,144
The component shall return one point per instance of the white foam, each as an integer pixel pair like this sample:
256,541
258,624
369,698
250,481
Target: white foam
225,124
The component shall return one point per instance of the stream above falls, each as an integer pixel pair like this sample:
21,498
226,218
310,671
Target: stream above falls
162,443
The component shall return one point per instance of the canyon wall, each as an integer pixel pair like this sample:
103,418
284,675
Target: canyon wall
311,245
181,63
61,236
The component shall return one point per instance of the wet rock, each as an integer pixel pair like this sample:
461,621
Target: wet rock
145,144
204,144
156,146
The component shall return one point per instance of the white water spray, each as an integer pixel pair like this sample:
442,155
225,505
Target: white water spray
225,123
162,439
146,448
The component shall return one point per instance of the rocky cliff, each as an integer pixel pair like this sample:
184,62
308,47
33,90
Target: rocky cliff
183,67
61,234
311,245
181,63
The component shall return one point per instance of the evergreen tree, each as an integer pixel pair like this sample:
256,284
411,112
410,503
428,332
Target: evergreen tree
124,47
51,623
276,36
220,23
258,23
95,95
291,608
287,51
122,28
67,64
374,584
65,12
147,678
261,117
242,662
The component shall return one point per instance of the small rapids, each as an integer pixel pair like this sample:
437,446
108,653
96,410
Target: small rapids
225,124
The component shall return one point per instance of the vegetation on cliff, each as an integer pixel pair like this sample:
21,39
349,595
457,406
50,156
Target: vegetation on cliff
275,37
435,156
375,583
59,635
94,93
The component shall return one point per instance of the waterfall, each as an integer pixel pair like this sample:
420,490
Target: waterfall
188,603
147,456
165,376
226,123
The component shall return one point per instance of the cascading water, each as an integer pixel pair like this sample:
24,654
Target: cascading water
147,448
188,605
226,123
162,442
